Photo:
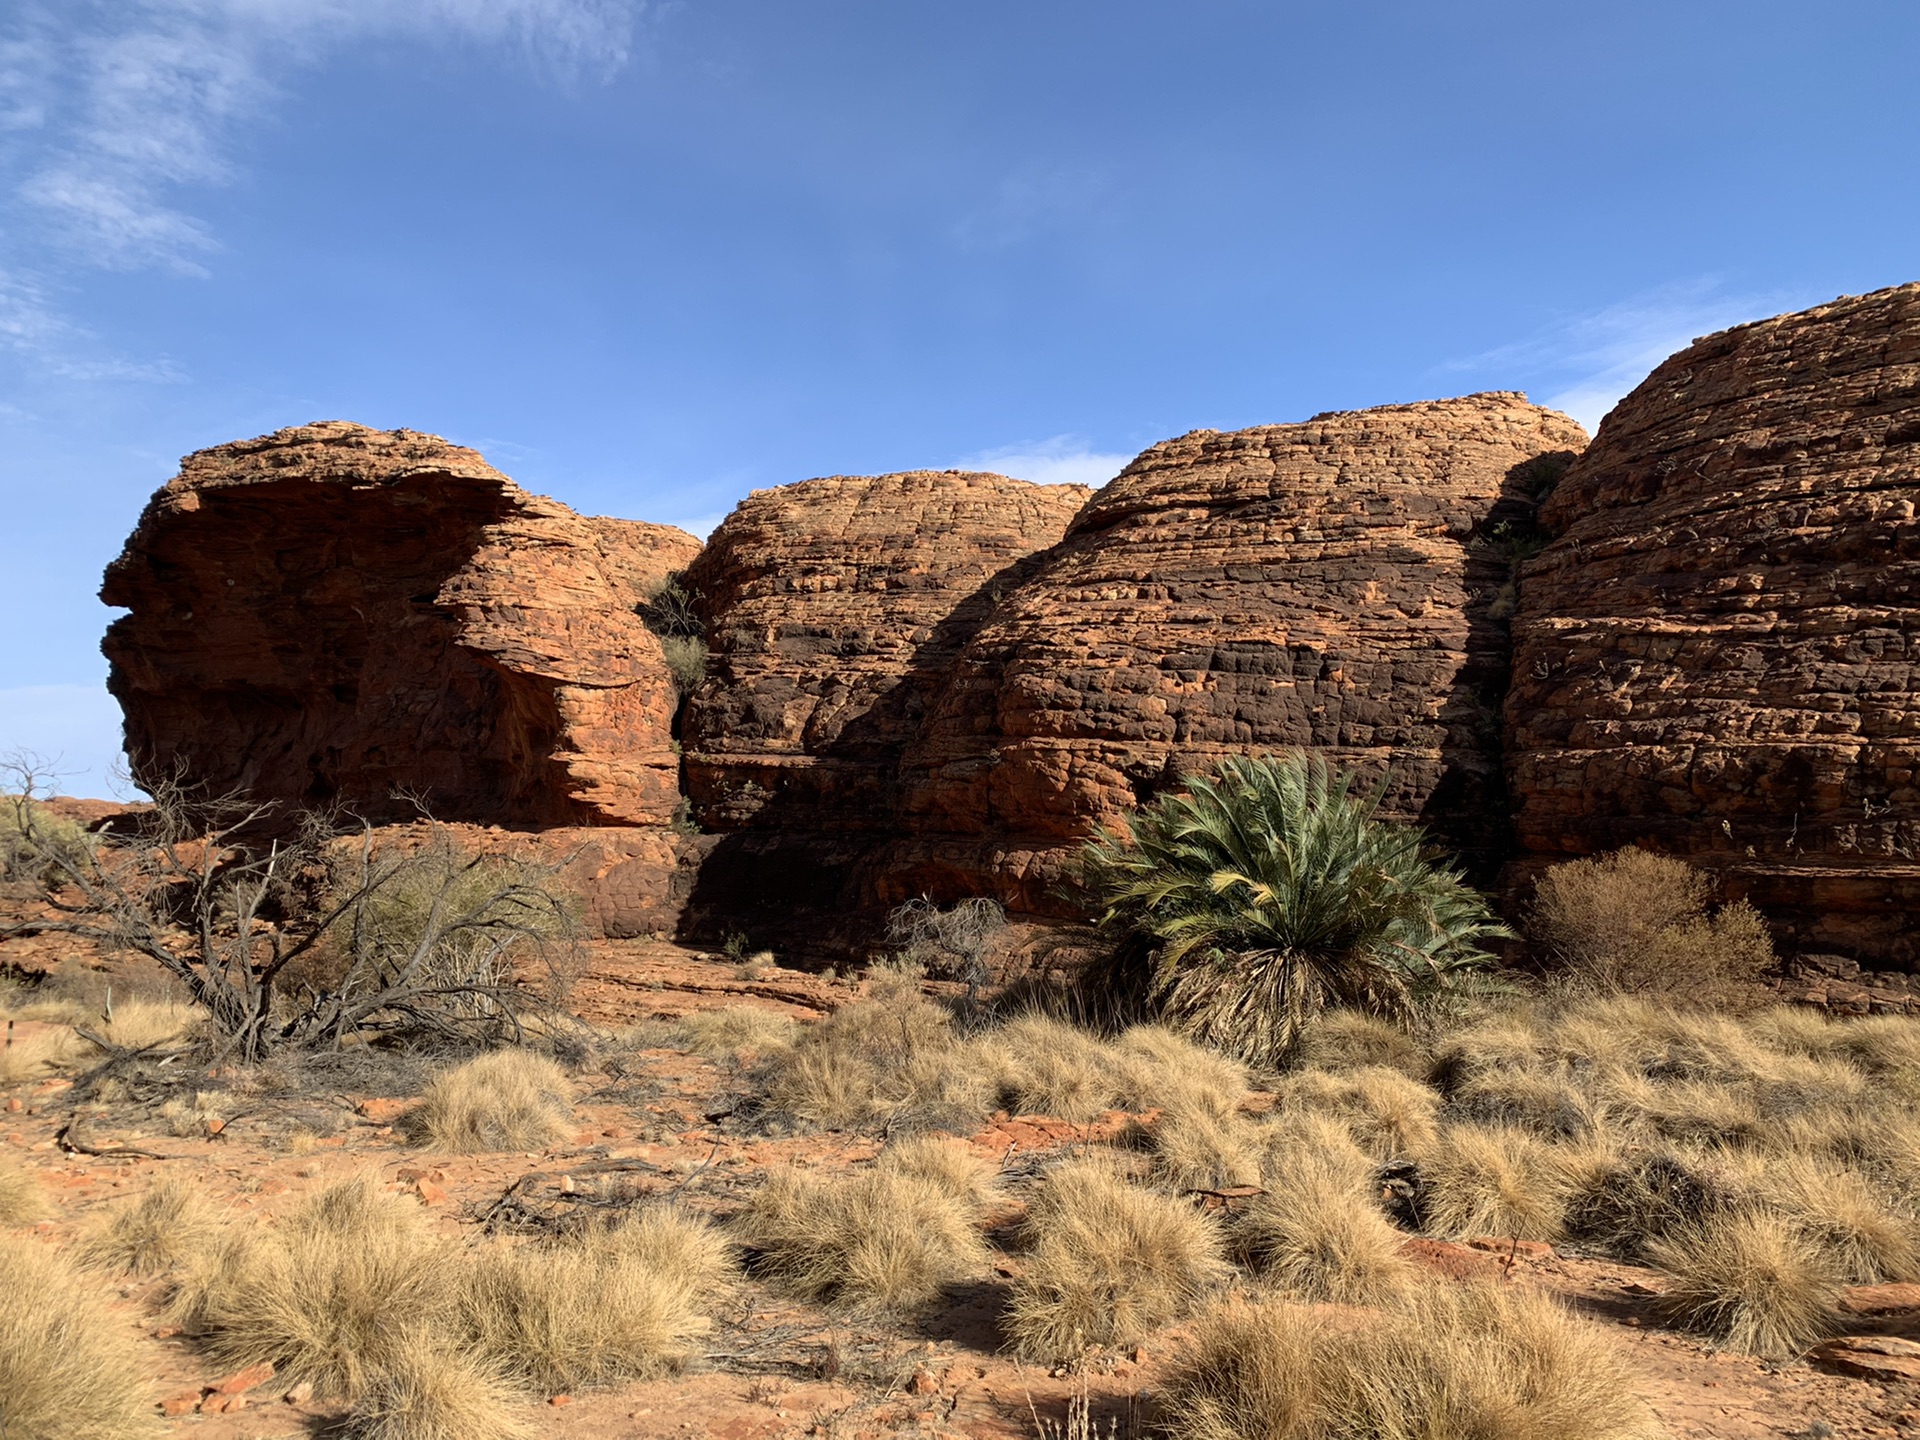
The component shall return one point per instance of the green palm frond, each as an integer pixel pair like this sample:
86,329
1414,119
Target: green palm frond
1263,894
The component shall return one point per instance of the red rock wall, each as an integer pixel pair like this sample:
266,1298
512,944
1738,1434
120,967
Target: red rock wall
1323,585
833,610
1716,657
330,613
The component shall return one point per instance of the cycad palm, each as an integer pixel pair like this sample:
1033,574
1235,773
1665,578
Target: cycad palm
1247,904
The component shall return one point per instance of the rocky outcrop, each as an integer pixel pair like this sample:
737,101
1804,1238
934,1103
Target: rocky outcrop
330,614
834,609
1336,584
1716,657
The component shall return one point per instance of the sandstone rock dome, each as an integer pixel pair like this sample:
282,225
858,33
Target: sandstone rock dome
1333,584
330,613
1716,656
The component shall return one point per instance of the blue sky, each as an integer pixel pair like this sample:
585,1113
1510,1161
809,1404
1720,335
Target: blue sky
649,256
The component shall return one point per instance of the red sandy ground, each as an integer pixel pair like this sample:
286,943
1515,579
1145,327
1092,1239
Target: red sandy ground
771,1368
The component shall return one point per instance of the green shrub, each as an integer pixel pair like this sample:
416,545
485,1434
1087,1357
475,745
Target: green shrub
1243,907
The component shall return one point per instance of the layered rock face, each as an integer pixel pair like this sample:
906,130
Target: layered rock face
834,609
1335,585
331,613
1716,658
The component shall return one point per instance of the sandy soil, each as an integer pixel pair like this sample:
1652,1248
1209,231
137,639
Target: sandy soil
771,1368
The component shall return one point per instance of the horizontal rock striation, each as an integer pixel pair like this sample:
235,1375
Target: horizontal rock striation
330,614
1716,657
1337,585
834,609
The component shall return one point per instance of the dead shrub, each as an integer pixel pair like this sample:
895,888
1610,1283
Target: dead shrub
1754,1281
1318,1236
1636,922
429,1391
503,1100
1476,1362
1108,1262
1479,1180
883,1239
164,1228
69,1369
22,1201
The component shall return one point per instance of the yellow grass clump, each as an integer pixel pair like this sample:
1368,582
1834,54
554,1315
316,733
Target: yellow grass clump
1478,1180
1388,1113
429,1391
952,1166
502,1100
22,1201
883,1238
1478,1362
1319,1236
69,1369
1755,1281
327,1295
1198,1150
736,1032
1108,1262
589,1312
166,1227
1353,1039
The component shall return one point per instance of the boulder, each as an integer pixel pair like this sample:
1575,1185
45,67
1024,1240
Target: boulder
1715,656
1339,584
337,616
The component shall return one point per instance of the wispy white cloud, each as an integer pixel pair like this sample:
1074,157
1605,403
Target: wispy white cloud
1583,364
112,110
33,327
1061,460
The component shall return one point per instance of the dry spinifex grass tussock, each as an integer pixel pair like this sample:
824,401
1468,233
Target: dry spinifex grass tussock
503,1100
1353,1039
623,1303
1108,1262
891,1238
1477,1180
68,1368
1318,1235
1199,1150
21,1199
167,1226
1388,1113
737,1032
1448,1363
429,1391
1754,1280
894,1059
327,1295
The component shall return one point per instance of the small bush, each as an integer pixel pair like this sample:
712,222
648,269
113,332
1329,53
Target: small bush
1635,922
1754,1281
686,657
34,841
68,1369
1108,1262
1450,1363
429,1391
22,1201
503,1100
166,1227
886,1239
